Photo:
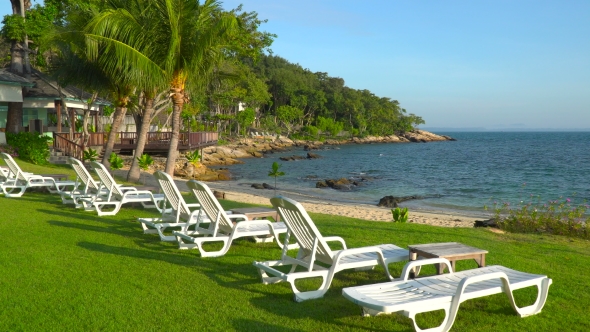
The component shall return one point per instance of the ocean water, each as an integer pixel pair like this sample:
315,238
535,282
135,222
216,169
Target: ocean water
478,169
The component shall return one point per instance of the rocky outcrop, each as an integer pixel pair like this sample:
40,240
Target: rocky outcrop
262,186
392,201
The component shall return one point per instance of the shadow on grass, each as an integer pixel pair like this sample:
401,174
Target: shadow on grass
255,325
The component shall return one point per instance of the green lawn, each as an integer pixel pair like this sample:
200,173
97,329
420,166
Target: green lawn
67,269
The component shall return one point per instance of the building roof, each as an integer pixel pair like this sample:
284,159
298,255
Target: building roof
47,88
9,78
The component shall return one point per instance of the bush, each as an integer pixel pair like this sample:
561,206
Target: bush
558,217
30,146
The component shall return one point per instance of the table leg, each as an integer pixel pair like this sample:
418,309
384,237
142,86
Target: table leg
413,257
481,262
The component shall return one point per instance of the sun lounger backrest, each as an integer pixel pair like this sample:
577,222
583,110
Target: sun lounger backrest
107,180
210,205
173,195
303,228
13,166
83,176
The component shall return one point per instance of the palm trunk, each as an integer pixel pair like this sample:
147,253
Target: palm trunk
134,172
178,101
172,152
118,117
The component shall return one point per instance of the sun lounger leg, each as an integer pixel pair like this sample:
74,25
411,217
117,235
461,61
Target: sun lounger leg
535,308
9,193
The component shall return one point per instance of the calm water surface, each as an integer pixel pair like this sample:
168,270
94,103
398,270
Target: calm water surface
464,175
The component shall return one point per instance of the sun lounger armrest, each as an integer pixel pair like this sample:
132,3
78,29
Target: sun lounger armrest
413,264
236,216
195,205
336,238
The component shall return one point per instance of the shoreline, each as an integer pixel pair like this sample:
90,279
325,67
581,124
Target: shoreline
325,206
339,208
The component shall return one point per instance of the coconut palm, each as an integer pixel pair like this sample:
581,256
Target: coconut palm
173,42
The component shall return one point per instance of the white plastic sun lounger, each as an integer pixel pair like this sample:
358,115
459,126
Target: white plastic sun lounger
116,196
177,213
86,187
413,296
314,249
16,181
225,228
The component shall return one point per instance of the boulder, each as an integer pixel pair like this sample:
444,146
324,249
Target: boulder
268,186
292,158
257,186
313,156
392,201
321,184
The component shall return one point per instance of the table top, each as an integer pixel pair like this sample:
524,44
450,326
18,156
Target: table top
56,176
253,210
446,249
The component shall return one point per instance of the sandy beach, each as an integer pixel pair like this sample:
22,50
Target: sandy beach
313,204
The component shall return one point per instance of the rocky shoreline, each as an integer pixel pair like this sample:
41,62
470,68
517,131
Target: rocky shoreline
240,148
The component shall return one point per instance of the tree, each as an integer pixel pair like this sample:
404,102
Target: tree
288,115
175,41
245,118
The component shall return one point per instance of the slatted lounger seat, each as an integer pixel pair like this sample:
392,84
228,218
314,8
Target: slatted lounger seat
314,249
86,187
177,214
225,227
116,196
413,296
16,181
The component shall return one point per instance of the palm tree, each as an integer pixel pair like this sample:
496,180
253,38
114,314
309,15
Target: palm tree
173,42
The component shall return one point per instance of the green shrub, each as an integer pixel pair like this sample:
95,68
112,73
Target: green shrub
193,157
115,161
400,215
90,155
30,146
559,217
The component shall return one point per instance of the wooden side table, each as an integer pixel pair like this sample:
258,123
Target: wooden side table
452,251
58,177
257,212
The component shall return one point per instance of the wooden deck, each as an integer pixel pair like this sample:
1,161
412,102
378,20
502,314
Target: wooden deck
160,141
157,141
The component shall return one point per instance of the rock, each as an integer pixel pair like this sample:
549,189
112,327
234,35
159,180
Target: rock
321,184
292,158
392,201
268,186
219,194
257,186
486,223
313,156
340,184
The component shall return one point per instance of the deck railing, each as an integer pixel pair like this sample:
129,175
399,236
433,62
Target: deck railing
156,141
68,147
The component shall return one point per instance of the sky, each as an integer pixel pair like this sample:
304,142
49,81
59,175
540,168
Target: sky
457,64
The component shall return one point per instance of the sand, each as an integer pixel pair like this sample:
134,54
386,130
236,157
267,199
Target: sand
250,195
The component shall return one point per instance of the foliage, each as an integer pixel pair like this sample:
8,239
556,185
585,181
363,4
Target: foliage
288,115
90,155
108,110
400,215
193,157
559,217
245,118
311,130
275,172
30,146
145,161
9,150
115,161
